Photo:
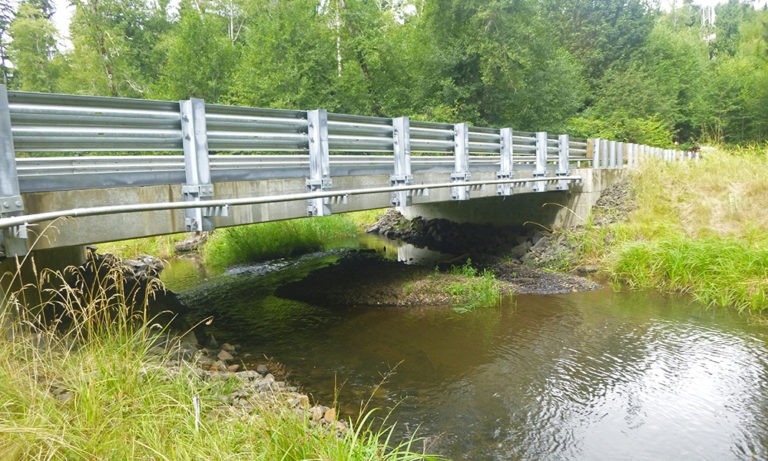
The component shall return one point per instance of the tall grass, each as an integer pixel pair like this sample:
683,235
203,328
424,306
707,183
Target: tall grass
715,271
276,239
474,289
103,388
699,228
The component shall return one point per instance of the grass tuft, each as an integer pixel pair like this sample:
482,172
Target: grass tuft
474,289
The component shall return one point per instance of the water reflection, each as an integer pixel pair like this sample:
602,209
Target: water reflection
596,375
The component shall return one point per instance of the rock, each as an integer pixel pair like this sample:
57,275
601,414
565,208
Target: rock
249,375
228,347
262,369
225,356
233,368
191,243
64,397
318,412
587,269
267,383
330,415
218,366
300,401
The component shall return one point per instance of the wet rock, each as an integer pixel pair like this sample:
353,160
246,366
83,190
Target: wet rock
249,375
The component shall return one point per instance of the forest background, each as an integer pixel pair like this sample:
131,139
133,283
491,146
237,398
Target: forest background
626,70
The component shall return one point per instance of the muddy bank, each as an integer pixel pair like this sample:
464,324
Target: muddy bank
523,258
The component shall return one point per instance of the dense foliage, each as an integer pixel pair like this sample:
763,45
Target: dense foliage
623,69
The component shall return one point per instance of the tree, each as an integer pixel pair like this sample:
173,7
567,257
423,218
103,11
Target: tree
494,63
33,52
200,56
114,46
290,60
600,33
738,87
730,18
6,17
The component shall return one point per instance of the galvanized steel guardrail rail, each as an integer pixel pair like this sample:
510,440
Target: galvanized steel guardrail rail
314,144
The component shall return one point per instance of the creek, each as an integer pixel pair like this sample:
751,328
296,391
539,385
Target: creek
593,375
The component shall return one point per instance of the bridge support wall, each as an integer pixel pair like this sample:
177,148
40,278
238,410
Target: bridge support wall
552,209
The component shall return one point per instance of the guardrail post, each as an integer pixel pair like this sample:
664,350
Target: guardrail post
612,154
196,165
541,161
620,154
13,241
606,154
562,161
319,162
401,141
596,151
461,161
506,170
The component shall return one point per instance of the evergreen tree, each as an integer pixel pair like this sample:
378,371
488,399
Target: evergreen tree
33,51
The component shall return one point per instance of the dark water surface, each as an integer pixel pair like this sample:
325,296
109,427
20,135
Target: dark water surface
598,375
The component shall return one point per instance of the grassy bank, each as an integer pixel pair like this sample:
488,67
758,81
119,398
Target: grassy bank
102,390
279,239
699,228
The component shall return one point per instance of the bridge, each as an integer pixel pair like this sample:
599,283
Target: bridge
190,166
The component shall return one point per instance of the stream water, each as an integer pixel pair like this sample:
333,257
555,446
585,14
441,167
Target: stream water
596,375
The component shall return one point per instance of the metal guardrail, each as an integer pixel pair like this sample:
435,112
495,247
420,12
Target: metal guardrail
271,143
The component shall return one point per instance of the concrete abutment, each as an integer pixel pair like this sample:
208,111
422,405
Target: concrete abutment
550,210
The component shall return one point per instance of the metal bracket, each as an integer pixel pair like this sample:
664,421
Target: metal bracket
11,204
504,189
320,206
458,192
397,197
13,241
201,191
316,185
